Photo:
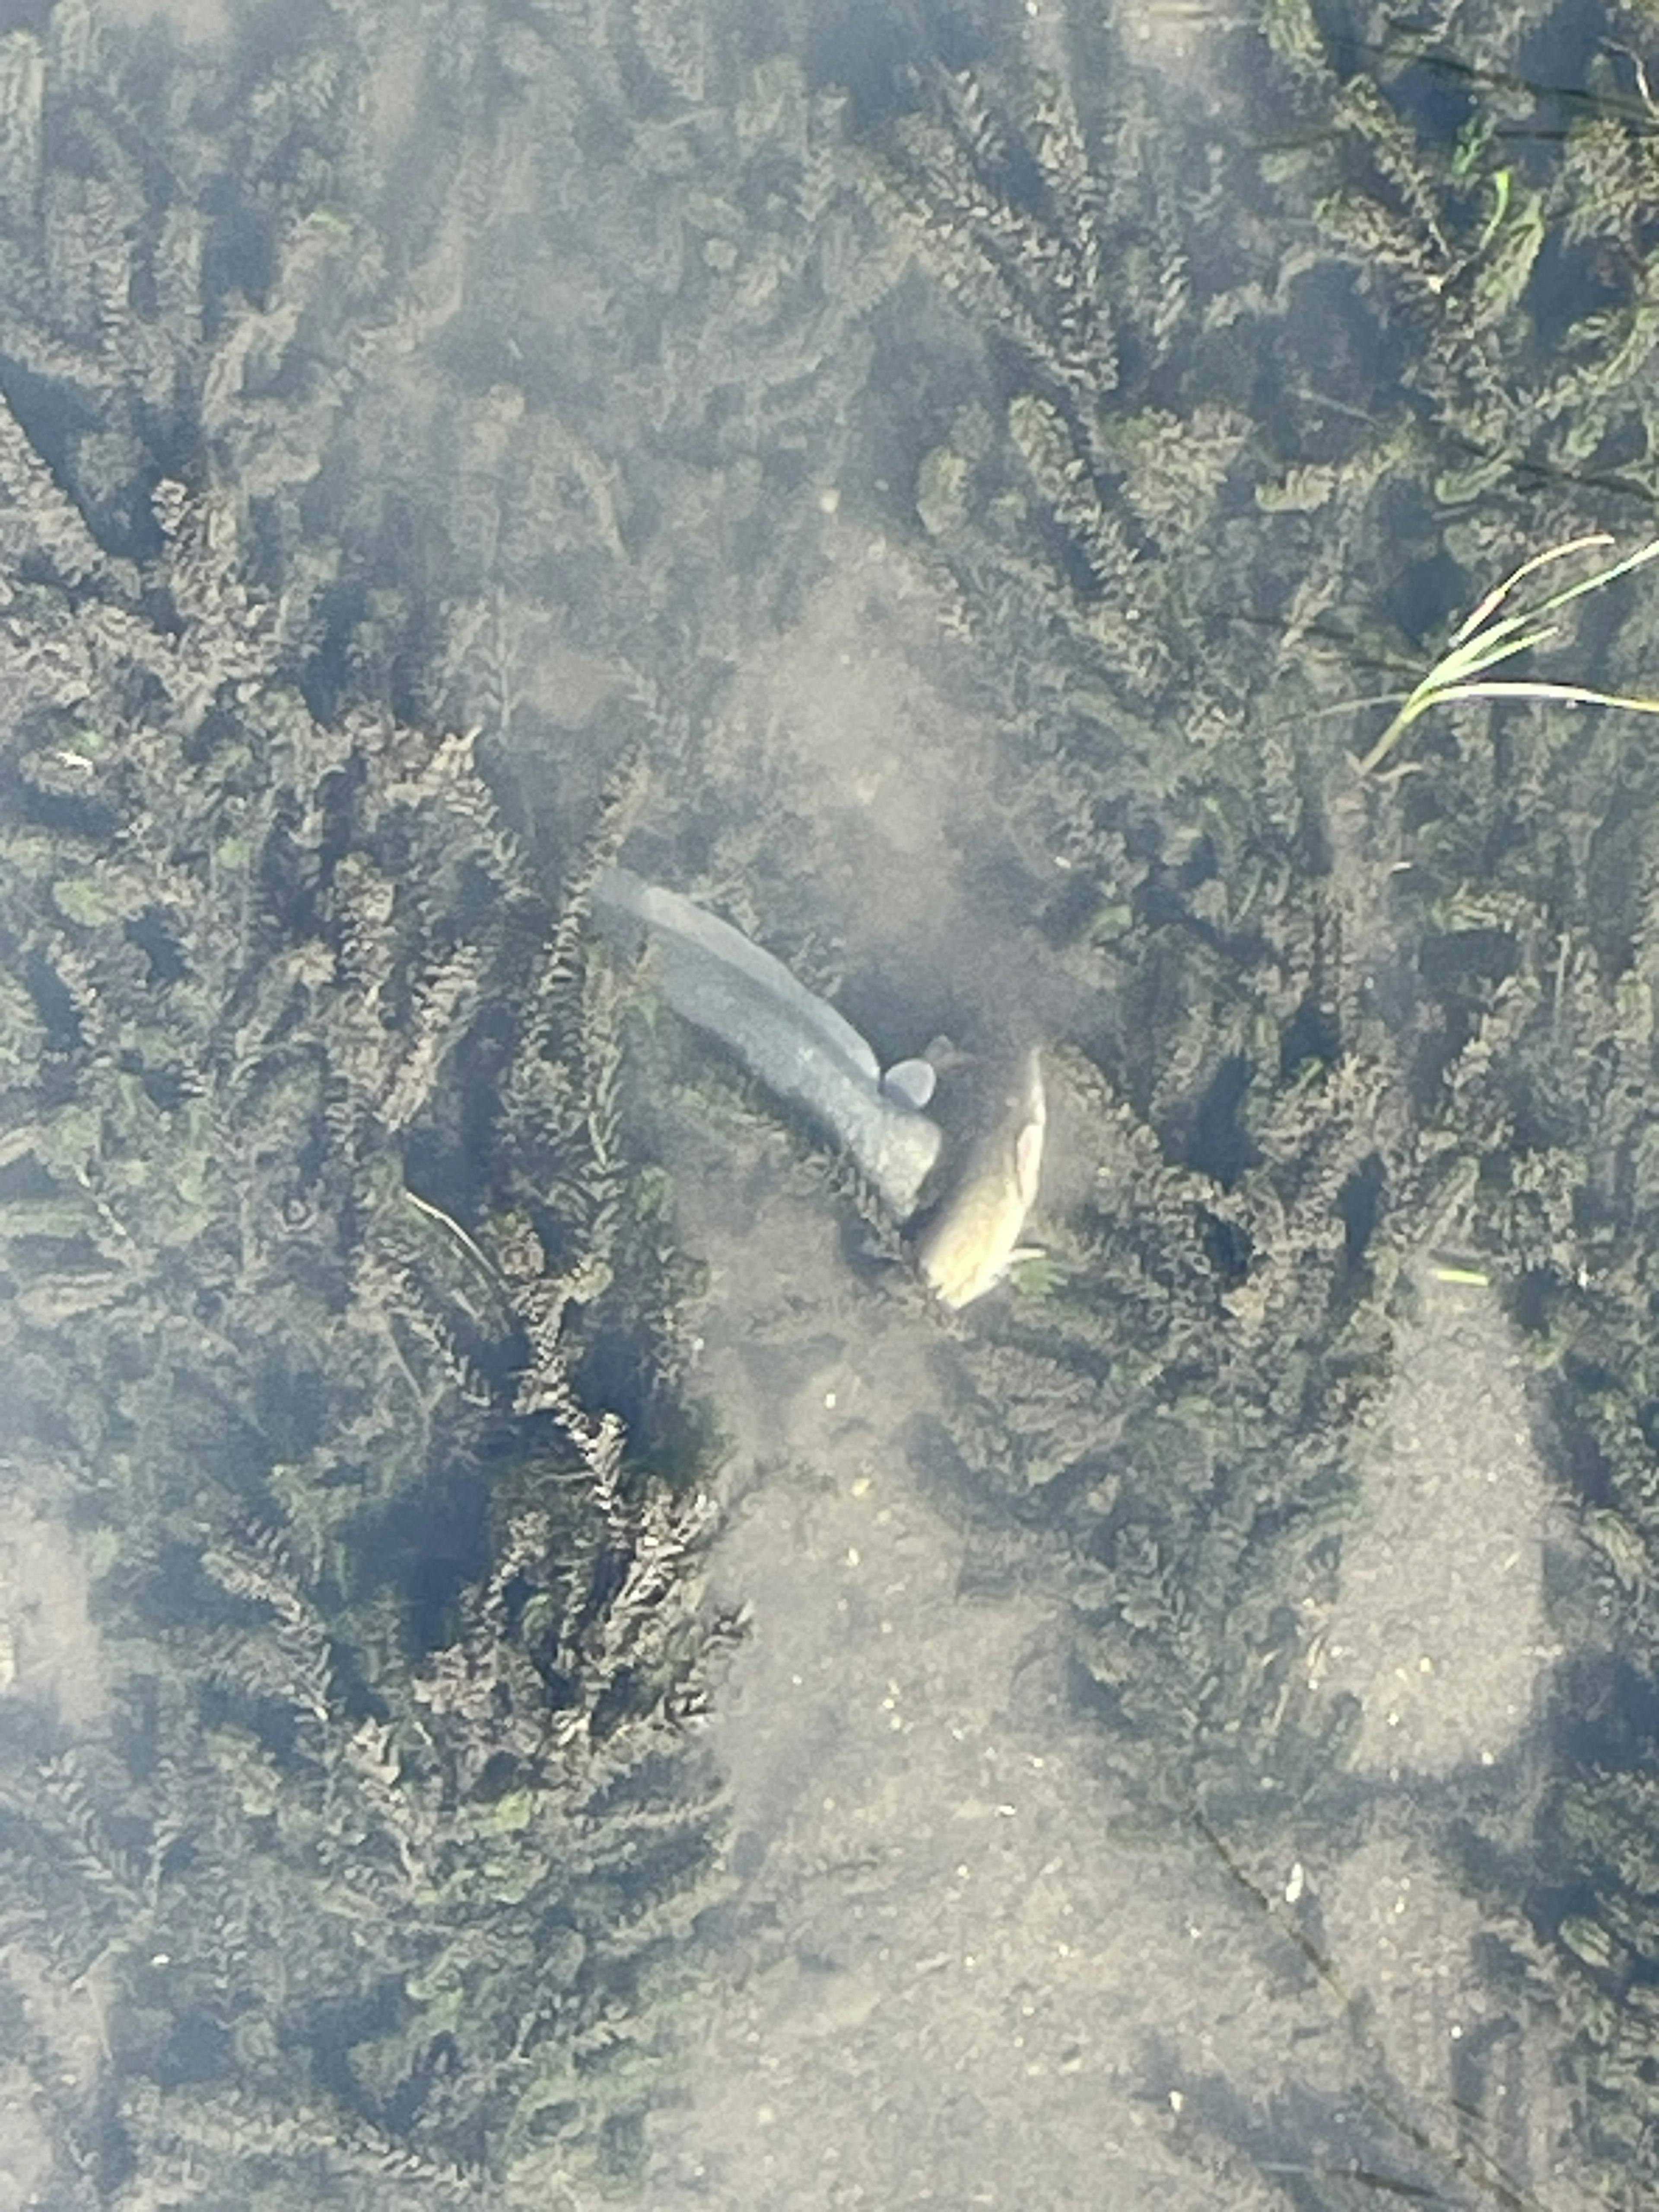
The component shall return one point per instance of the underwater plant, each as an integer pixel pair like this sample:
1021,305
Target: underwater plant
1324,1034
342,1325
396,1633
373,383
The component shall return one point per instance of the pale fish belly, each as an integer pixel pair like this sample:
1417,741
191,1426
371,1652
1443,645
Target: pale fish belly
790,1040
968,1247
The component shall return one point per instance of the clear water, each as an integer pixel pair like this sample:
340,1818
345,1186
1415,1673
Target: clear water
538,1663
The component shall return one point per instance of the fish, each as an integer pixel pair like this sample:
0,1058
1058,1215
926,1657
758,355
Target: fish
973,1240
793,1041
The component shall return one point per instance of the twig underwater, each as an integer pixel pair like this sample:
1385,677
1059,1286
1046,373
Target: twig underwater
1486,639
1465,2157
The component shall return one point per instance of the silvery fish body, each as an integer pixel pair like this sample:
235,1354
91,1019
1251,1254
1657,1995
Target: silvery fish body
788,1038
968,1247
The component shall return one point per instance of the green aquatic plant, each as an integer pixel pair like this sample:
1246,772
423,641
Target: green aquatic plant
1487,638
337,1277
319,1244
1324,1037
343,1309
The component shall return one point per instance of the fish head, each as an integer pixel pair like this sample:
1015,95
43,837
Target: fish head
968,1246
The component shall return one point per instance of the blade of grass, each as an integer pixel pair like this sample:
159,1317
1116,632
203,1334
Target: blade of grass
1574,694
1484,639
1499,592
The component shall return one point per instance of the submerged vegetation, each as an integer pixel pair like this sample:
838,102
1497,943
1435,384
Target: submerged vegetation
1256,412
389,374
339,1328
386,1825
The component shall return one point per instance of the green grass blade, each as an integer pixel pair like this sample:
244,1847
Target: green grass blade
1576,694
1484,639
1610,575
1495,597
1486,651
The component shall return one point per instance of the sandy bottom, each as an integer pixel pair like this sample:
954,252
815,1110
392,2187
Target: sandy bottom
951,1975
